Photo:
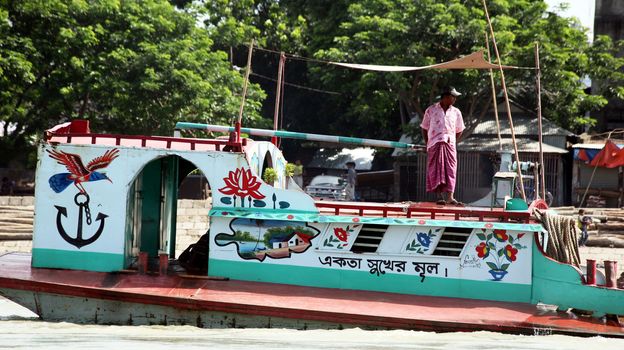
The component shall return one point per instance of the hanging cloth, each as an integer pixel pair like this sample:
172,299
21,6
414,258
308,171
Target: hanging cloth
611,156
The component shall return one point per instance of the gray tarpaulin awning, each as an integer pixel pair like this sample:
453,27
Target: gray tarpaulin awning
337,158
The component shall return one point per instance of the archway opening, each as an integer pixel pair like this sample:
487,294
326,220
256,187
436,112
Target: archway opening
159,221
266,164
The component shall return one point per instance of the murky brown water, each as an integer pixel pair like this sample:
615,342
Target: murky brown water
18,331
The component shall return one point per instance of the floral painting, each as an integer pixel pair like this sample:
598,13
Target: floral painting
340,237
499,250
244,188
421,244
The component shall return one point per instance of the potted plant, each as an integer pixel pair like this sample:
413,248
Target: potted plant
269,176
289,171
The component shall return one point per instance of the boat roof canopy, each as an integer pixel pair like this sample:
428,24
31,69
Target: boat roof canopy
473,61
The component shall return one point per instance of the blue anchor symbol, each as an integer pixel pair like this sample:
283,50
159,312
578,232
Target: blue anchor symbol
83,204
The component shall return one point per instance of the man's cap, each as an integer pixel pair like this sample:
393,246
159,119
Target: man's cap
449,90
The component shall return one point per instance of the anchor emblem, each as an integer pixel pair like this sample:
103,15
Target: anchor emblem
82,201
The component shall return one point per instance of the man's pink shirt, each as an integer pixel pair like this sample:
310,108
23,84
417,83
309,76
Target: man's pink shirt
440,126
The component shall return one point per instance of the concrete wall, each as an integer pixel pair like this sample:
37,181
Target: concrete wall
192,222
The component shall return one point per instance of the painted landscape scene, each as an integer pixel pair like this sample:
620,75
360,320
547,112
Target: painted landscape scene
257,239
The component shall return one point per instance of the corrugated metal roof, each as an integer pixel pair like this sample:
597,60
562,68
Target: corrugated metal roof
478,144
491,144
523,125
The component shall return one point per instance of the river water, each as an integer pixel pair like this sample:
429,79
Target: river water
20,330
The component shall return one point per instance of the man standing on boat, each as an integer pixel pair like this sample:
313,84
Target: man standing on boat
442,127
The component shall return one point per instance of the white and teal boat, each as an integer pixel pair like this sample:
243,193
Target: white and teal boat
106,206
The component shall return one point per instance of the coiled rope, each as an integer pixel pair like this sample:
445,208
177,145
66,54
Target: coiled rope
563,237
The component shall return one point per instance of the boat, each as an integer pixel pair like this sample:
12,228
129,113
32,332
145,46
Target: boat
104,238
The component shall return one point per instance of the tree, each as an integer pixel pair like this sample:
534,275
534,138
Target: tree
423,32
131,67
426,31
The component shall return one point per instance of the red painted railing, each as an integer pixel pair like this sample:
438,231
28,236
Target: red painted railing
219,145
422,210
79,129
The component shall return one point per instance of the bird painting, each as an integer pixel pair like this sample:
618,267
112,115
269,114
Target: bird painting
78,173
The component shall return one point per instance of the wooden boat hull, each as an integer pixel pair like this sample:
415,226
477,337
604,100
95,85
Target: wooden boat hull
133,299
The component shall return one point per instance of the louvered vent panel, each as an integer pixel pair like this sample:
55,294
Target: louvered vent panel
452,241
369,238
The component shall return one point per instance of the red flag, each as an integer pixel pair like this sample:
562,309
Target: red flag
611,156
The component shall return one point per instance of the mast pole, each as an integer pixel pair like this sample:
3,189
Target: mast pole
541,174
494,102
504,86
278,94
240,112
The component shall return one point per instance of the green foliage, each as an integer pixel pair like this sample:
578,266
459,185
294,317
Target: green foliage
290,169
426,31
131,67
140,66
423,32
269,176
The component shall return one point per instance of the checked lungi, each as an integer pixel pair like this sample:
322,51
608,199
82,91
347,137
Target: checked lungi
441,168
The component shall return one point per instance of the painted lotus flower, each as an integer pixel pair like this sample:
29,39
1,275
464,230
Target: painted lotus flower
242,183
424,239
510,253
501,235
341,234
483,250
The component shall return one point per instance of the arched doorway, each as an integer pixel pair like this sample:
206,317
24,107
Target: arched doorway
266,164
152,223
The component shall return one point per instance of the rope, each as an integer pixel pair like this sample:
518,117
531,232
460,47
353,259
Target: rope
563,237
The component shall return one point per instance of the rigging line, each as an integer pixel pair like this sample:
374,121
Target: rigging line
295,85
294,56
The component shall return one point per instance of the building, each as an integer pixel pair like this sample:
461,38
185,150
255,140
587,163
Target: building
609,20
